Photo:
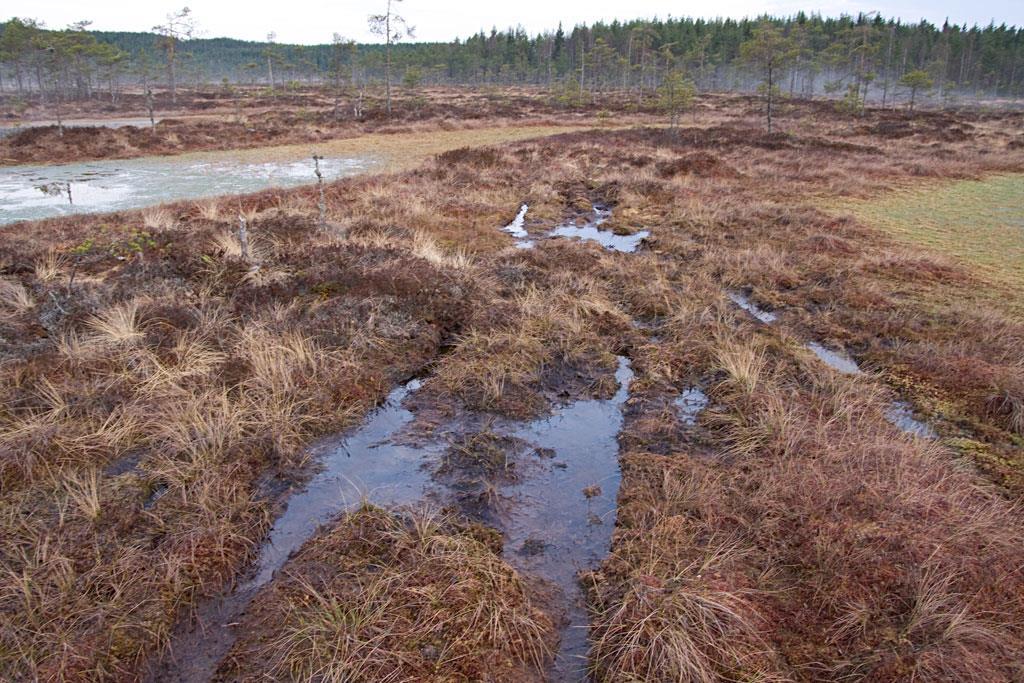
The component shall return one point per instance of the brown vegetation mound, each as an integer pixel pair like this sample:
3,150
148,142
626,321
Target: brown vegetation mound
381,597
700,164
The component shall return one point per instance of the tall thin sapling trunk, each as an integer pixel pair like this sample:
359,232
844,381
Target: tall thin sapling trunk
392,28
270,58
768,50
149,107
179,26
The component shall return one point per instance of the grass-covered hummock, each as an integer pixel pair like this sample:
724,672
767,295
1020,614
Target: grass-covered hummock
384,597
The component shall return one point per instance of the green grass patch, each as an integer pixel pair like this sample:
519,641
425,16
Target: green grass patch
979,222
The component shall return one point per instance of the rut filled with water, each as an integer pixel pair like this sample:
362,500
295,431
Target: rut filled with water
364,465
557,518
899,413
562,519
590,231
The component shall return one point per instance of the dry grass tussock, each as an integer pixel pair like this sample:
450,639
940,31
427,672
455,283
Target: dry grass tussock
382,597
117,324
49,266
14,297
677,627
158,219
426,248
210,209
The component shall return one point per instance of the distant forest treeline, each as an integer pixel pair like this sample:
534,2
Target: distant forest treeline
867,55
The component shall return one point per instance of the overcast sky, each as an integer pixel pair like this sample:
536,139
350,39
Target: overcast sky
314,21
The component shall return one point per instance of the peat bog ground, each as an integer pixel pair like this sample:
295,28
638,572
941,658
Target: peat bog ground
778,442
250,118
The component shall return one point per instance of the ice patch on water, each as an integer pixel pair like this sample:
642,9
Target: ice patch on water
117,185
689,405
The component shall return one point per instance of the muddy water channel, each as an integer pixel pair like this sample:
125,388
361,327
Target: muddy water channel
561,519
35,192
556,511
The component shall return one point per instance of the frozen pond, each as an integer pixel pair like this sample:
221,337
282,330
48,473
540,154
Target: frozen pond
35,192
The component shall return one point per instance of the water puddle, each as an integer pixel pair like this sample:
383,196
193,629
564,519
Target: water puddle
515,228
899,412
837,360
557,512
366,465
753,309
35,192
606,238
690,404
901,415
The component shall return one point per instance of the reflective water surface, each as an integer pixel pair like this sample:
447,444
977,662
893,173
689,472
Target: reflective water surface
34,192
837,360
753,309
592,232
